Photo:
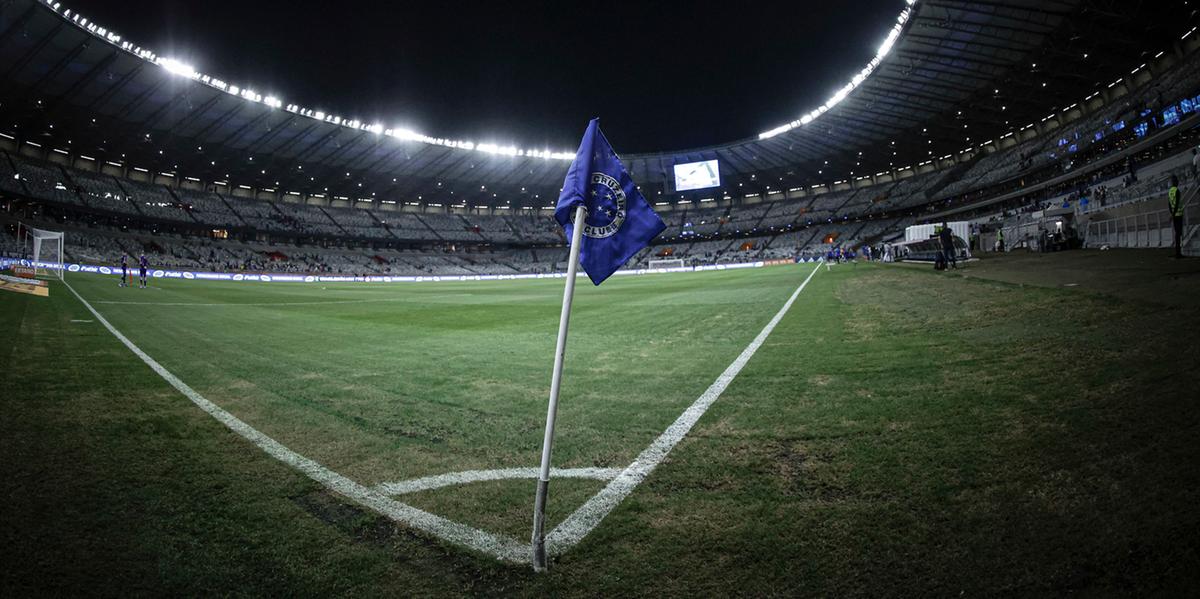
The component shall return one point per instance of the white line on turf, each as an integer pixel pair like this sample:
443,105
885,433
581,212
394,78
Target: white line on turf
499,546
202,304
588,516
567,534
271,304
477,476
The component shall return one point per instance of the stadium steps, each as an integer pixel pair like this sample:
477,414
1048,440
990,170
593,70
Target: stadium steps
382,224
758,223
10,162
951,176
771,241
884,232
800,246
511,228
471,265
231,208
469,226
20,180
515,229
129,196
849,200
75,187
861,226
335,223
427,226
724,220
181,204
802,208
285,218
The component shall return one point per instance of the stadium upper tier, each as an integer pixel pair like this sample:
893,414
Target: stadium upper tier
954,81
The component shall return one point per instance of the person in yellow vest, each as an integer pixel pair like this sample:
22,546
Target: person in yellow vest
1175,204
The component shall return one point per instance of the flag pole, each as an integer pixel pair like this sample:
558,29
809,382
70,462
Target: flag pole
543,485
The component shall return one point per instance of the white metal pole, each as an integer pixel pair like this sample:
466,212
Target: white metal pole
543,484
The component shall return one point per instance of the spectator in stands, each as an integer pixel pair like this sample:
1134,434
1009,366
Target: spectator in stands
1175,205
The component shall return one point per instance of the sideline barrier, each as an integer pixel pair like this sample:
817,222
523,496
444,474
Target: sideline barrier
298,278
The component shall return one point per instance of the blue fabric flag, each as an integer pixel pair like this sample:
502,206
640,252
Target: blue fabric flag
619,221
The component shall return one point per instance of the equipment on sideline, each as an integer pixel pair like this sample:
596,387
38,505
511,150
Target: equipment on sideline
44,250
675,263
618,222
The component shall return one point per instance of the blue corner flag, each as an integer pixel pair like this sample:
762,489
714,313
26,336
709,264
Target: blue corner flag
619,221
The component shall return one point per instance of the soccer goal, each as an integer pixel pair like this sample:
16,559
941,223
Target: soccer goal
43,249
673,263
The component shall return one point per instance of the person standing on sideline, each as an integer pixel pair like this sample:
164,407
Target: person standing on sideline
1175,205
124,270
947,238
142,266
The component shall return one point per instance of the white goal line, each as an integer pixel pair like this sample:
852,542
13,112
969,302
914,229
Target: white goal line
567,534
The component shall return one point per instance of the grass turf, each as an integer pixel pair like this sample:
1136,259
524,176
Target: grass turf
899,432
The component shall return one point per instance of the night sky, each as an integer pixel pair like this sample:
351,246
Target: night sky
660,75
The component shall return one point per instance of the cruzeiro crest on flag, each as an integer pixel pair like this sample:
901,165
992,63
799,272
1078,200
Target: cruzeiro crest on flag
608,214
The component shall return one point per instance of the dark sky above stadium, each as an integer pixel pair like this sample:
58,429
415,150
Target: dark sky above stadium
660,75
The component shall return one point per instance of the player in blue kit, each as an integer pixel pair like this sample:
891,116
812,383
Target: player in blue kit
142,265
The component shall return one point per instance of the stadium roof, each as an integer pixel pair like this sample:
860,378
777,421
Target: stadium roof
953,75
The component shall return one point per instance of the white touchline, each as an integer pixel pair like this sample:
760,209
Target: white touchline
224,304
588,516
567,534
500,546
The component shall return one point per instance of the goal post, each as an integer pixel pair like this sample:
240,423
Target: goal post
43,249
672,263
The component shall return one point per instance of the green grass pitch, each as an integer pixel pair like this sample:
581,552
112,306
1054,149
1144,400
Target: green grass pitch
900,432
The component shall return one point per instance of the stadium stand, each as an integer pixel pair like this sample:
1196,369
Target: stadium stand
1117,146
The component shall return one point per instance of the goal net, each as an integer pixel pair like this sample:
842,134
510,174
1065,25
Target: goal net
673,263
43,249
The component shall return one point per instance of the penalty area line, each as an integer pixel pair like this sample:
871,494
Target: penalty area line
499,546
572,530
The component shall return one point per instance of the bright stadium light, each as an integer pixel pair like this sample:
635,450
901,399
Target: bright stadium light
855,81
176,67
183,69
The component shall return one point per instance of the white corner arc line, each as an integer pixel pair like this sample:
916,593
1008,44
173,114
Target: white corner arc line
477,476
500,546
572,530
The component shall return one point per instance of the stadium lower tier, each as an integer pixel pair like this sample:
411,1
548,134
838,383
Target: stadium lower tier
104,247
